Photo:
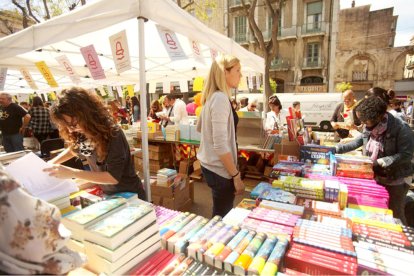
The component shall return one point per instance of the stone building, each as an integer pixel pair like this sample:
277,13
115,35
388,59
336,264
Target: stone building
365,53
307,41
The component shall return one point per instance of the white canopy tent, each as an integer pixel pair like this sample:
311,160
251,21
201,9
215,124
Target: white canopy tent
93,24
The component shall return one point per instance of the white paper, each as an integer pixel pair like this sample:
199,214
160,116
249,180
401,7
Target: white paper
28,171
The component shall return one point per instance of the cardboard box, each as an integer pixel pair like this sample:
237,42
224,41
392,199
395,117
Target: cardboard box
151,136
172,190
154,165
174,197
286,147
156,155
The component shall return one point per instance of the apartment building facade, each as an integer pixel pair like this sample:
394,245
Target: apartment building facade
306,39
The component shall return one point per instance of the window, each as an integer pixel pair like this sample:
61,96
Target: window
270,24
312,54
313,16
240,29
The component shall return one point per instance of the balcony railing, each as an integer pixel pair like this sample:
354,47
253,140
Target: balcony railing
359,75
240,38
312,63
313,28
237,3
285,32
280,64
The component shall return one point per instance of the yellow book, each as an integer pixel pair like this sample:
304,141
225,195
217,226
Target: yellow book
390,226
371,209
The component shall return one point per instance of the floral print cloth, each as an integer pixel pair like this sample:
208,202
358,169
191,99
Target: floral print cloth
32,239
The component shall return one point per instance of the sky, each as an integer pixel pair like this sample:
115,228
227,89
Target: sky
403,8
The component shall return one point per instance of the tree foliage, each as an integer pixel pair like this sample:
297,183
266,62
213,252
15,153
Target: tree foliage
202,9
343,86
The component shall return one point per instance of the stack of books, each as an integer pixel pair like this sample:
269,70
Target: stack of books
332,188
354,166
302,187
62,202
165,177
236,216
315,207
154,264
164,214
259,189
271,140
322,248
287,208
287,168
115,244
274,216
276,194
172,133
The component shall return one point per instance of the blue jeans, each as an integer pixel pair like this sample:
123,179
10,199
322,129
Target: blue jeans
13,142
222,190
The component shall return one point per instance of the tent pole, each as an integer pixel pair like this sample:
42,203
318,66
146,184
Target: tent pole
143,105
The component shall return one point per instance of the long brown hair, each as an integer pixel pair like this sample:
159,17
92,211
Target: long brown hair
90,113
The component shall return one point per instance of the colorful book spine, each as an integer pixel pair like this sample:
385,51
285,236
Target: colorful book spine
195,246
219,259
181,244
219,245
244,260
232,257
182,232
175,228
215,238
259,261
273,261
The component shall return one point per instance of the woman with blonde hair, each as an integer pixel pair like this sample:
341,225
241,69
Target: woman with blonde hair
218,151
86,124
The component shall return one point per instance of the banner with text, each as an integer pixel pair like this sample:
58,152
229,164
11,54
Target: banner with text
44,69
120,51
92,61
28,78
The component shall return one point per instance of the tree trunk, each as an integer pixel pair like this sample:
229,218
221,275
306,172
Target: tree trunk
83,2
30,11
46,9
25,16
266,83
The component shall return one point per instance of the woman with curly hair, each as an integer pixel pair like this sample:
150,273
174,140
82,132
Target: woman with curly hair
390,144
89,128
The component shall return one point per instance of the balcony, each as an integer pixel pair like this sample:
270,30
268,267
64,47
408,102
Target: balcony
241,38
314,28
359,76
237,3
280,64
410,65
312,63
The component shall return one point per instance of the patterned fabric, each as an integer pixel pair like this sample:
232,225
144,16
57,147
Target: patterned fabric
86,147
375,143
32,239
40,121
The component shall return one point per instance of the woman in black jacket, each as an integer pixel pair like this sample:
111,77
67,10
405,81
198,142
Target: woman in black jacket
390,144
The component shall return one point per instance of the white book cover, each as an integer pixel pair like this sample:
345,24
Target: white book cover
28,171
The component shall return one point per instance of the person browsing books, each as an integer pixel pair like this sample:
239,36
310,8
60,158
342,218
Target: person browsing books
276,117
390,144
344,117
177,111
218,152
90,130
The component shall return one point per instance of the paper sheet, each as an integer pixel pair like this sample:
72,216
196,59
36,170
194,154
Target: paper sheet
28,171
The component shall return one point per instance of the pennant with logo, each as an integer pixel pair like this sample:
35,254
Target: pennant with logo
28,78
171,43
198,84
120,51
195,46
3,76
47,75
65,63
92,61
213,53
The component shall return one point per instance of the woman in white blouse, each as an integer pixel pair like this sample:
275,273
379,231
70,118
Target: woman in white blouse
276,117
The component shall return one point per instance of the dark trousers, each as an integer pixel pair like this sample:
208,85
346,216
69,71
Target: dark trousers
41,137
397,194
222,190
13,142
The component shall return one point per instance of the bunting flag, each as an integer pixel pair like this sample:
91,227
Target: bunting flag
183,86
28,78
259,81
250,80
198,84
166,87
171,43
92,61
119,90
3,76
47,75
120,51
195,46
130,89
51,96
152,87
65,63
102,91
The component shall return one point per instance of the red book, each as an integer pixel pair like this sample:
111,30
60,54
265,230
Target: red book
151,261
324,252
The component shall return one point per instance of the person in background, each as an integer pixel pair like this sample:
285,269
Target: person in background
396,110
25,105
296,106
136,115
32,240
88,127
345,113
14,121
128,104
252,106
390,144
120,114
40,120
155,108
218,150
276,117
244,102
386,96
409,111
177,111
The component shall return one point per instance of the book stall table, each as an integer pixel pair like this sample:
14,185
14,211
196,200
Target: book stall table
316,222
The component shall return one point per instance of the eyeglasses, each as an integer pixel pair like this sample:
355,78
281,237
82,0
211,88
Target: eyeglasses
73,123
